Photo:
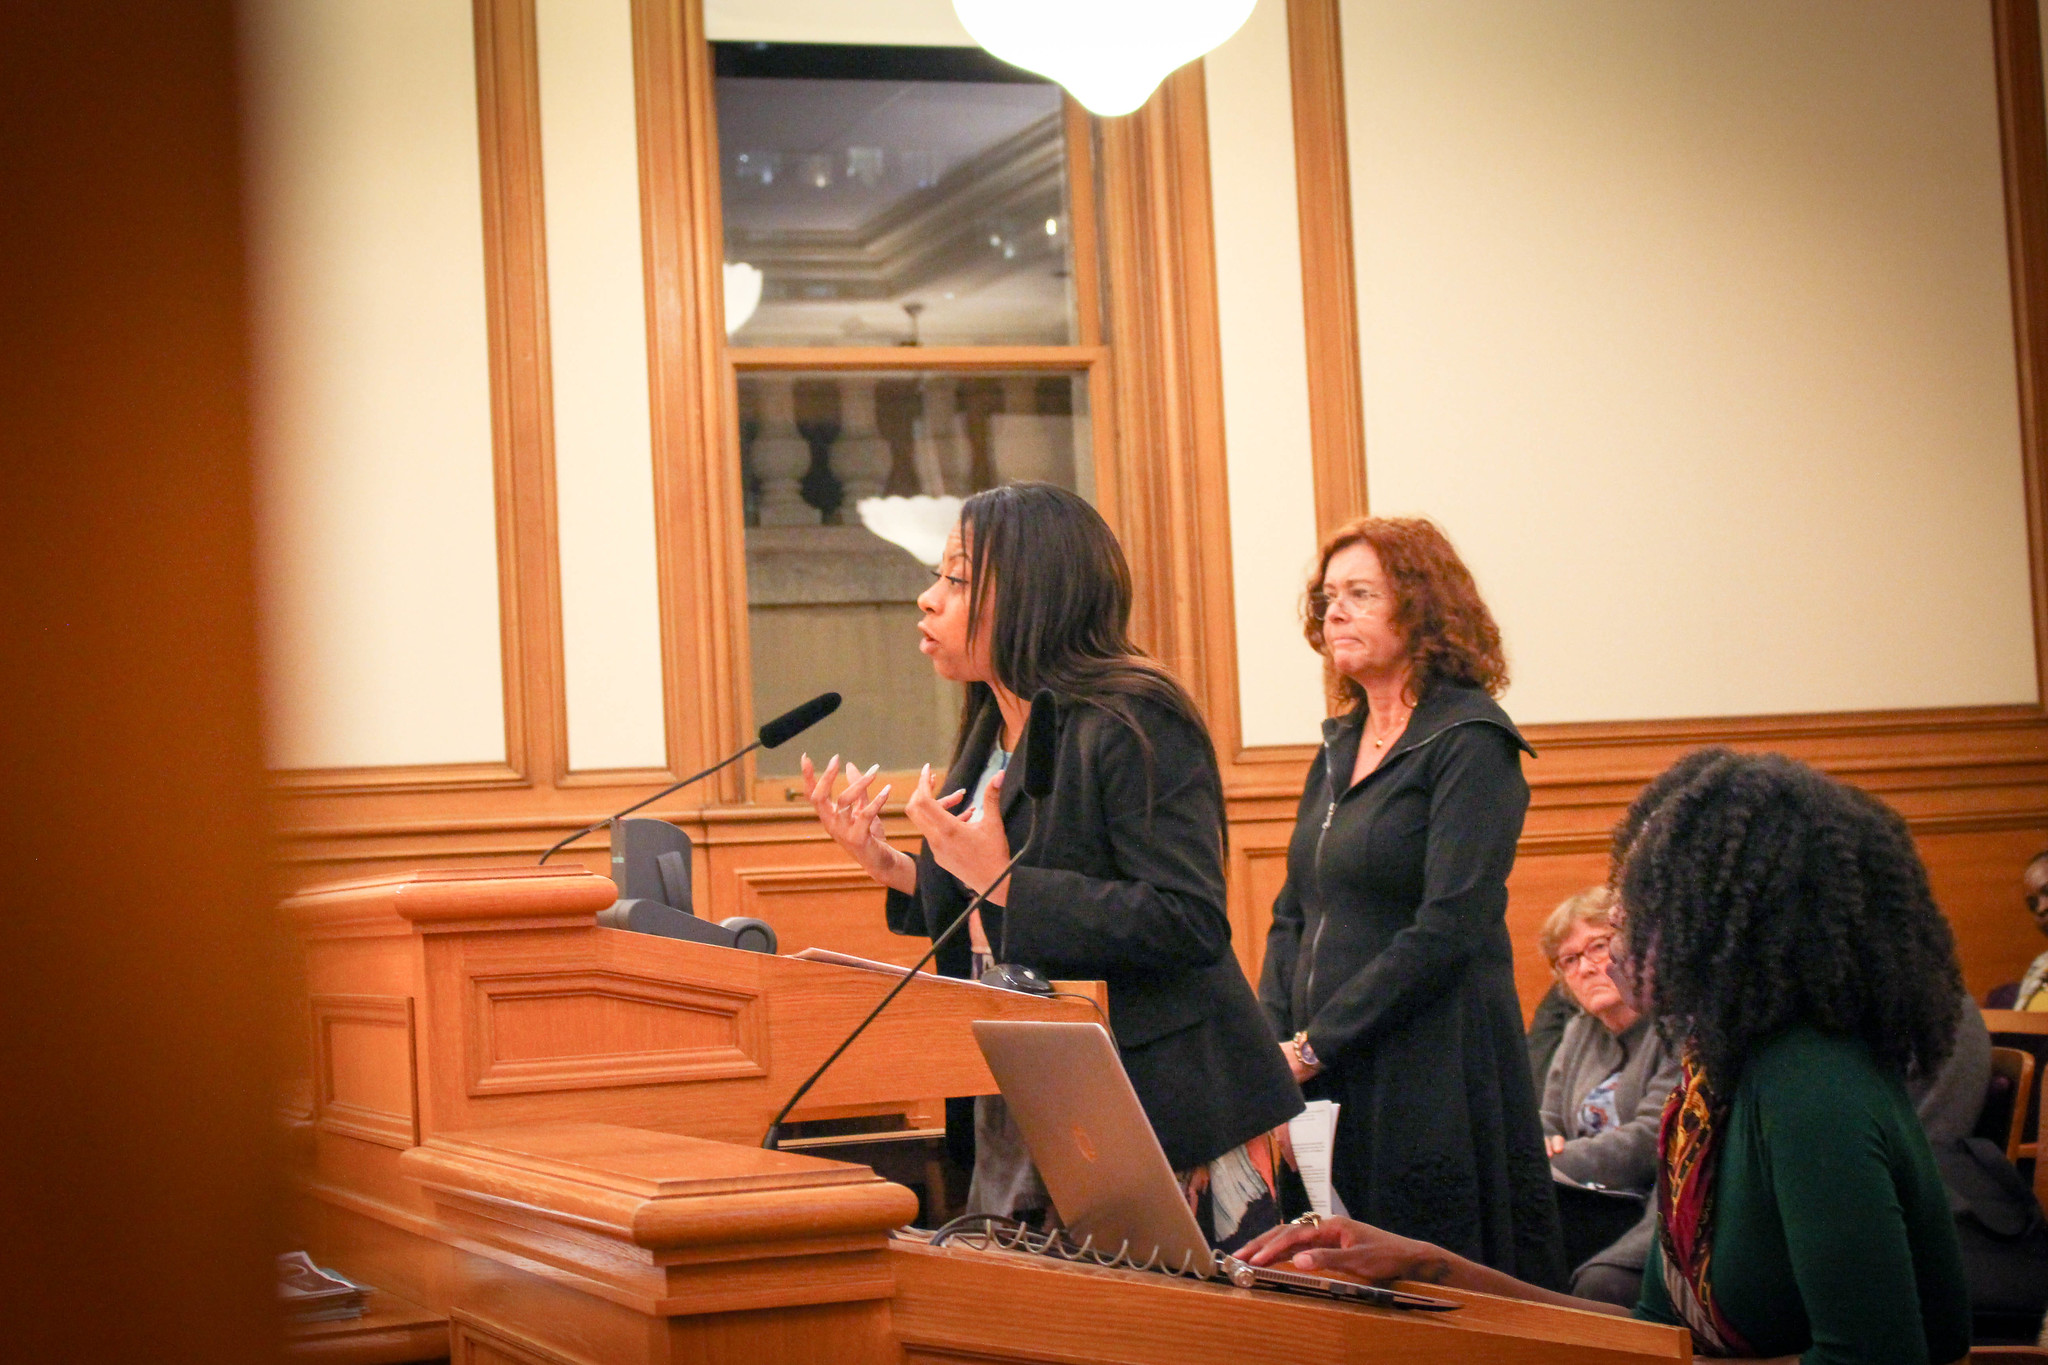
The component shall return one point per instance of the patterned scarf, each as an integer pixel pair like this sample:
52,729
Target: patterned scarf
1688,1145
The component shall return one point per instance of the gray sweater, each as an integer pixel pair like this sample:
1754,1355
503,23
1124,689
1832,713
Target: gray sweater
1623,1157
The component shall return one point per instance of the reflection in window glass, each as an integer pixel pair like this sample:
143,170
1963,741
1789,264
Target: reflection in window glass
894,196
851,483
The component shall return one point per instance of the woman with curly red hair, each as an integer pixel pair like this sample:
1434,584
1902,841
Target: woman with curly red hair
1389,975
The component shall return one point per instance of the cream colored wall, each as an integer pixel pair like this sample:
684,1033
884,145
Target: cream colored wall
1690,322
1265,376
378,528
597,325
920,23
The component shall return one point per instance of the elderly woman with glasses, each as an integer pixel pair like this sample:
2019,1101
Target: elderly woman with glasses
1602,1102
1389,974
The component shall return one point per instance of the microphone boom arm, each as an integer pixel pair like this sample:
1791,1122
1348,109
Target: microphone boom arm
774,1134
676,786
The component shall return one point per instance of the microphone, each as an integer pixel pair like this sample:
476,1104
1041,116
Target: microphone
1041,754
795,721
774,734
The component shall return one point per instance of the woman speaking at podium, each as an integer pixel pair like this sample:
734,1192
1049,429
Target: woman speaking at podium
1124,879
1389,975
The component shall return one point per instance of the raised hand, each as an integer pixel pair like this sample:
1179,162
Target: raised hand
974,849
853,818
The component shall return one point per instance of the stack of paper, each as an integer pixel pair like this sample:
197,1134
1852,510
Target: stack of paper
1314,1133
310,1294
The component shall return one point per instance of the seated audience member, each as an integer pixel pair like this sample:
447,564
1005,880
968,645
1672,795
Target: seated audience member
1949,1101
1779,924
1602,1100
2032,991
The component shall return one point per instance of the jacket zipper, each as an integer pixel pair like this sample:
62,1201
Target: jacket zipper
1329,814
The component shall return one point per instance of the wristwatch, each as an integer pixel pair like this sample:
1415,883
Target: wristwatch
1303,1050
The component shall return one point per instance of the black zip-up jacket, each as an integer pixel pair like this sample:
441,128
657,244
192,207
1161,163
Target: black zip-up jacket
1396,883
1390,947
1125,885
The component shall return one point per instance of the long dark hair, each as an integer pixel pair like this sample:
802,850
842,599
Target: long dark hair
1050,583
1758,894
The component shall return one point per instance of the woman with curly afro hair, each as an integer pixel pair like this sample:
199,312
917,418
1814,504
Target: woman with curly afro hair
1780,927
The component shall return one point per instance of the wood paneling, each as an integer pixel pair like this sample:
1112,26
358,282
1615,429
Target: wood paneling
1322,162
700,551
2023,137
1166,494
1083,1316
472,1340
593,1030
522,390
365,1082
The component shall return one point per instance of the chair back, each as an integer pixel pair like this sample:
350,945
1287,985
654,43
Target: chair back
2004,1119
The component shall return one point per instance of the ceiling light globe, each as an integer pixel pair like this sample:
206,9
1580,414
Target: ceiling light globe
1109,54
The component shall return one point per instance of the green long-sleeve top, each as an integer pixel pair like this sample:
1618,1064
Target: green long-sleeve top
1832,1233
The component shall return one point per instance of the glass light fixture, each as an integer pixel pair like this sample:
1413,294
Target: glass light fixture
1109,54
919,524
742,294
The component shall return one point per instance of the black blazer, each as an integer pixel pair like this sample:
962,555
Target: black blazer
1125,884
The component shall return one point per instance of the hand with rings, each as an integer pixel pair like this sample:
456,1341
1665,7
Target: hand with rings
853,818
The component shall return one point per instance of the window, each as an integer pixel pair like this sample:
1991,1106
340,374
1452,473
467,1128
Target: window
925,328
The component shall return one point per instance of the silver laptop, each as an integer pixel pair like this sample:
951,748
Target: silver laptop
1109,1181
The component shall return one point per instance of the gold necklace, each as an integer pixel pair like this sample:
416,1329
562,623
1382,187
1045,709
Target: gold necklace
1392,730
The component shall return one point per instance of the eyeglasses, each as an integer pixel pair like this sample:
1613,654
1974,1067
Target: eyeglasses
1356,598
1596,954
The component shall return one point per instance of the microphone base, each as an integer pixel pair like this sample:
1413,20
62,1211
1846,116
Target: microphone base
1015,976
641,916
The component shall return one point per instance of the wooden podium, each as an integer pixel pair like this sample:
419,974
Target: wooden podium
548,1132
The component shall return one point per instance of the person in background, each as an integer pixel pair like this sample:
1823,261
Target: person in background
1950,1101
1125,880
2032,991
1781,925
1389,974
1604,1096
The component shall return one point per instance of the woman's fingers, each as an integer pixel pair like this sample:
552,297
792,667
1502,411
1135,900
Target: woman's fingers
856,785
1279,1243
873,809
821,790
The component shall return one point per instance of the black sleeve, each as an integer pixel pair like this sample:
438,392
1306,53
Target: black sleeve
1477,801
1283,939
1165,910
1276,978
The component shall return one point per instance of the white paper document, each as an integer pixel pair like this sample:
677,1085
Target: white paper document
1314,1132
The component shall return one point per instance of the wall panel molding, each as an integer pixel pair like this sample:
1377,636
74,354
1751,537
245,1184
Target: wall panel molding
700,547
365,1069
522,413
1168,497
2023,139
1322,162
517,1022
